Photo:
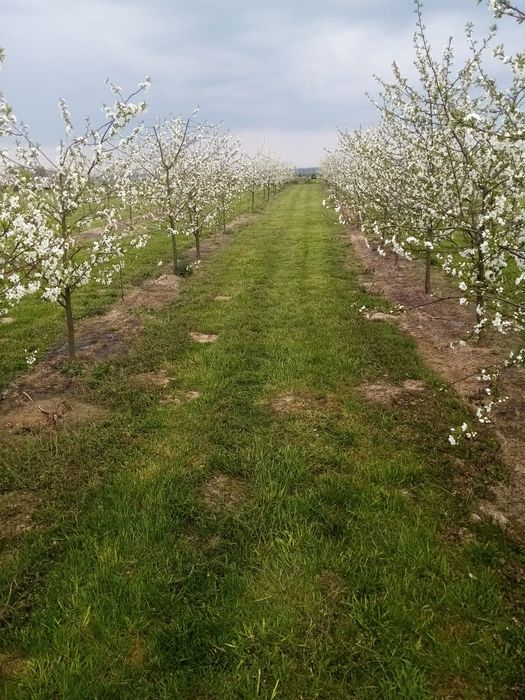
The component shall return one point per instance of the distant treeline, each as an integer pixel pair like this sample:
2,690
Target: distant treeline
307,172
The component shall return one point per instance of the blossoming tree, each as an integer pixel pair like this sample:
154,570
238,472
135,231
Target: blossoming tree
444,173
61,194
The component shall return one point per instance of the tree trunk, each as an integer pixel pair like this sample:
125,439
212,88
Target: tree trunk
253,201
68,307
480,296
197,235
428,262
121,280
174,252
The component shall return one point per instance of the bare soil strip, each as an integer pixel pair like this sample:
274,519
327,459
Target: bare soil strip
438,327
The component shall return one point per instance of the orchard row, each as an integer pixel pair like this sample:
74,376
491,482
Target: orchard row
442,176
73,216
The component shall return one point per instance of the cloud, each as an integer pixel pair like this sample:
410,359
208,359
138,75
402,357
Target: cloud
303,147
297,69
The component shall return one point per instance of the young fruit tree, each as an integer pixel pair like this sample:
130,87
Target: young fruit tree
253,177
83,183
157,155
204,187
229,176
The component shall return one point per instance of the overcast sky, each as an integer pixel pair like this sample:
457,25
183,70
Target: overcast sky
283,74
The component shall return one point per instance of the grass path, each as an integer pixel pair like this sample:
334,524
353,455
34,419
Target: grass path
278,537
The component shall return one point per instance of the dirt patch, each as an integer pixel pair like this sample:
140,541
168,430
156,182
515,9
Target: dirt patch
156,380
222,297
204,337
407,495
458,535
136,652
7,320
240,222
16,512
50,413
390,394
440,329
490,511
332,584
12,665
302,405
209,544
154,294
180,397
89,235
223,493
380,316
438,326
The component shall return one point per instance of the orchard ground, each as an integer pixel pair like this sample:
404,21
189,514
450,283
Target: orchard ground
256,521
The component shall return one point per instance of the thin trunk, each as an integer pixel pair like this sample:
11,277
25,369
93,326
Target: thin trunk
174,252
396,260
121,280
480,296
68,307
197,243
253,201
428,262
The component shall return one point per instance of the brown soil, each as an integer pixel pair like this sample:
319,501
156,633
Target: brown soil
12,665
438,329
380,316
204,337
157,380
49,413
302,405
16,513
136,652
332,585
222,492
240,221
93,233
222,297
389,394
181,397
436,326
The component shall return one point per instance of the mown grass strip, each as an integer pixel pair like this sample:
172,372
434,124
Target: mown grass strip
280,536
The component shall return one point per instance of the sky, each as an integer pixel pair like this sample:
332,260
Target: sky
282,74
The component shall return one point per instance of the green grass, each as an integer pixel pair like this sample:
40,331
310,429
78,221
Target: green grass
339,571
